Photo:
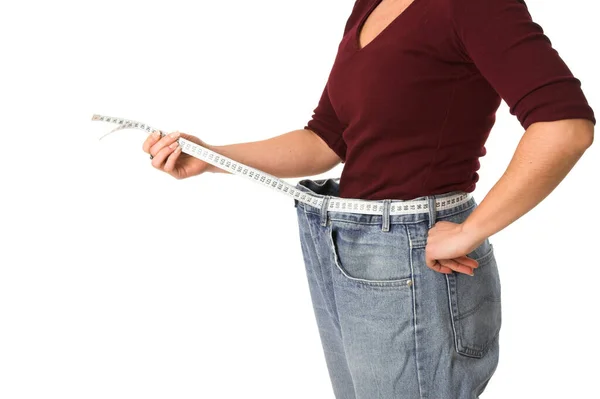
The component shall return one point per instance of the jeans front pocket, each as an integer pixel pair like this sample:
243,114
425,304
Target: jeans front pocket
366,255
475,304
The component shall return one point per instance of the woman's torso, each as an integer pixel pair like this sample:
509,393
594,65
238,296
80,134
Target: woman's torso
416,111
410,112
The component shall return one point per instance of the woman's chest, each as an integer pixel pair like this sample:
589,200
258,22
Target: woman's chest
403,64
379,16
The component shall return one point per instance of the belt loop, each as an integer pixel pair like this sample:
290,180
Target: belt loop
324,207
432,210
385,226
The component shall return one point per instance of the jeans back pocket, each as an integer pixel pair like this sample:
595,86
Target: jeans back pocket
475,304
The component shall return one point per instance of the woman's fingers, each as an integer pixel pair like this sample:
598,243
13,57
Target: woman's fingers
438,267
461,264
172,160
456,266
166,141
150,141
161,156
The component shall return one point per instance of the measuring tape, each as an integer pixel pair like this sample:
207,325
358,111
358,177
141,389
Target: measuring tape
397,207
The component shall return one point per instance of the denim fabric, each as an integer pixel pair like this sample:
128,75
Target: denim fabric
390,326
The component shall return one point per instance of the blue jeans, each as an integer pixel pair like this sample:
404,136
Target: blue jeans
390,326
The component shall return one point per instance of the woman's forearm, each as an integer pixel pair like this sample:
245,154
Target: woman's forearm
544,156
295,154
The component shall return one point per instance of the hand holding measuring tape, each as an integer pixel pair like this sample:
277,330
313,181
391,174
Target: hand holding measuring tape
166,155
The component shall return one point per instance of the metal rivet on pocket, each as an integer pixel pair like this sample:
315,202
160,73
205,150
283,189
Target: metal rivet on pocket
409,282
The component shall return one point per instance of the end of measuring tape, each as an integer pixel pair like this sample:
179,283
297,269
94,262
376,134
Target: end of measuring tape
123,123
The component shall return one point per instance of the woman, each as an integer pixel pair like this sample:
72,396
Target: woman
407,297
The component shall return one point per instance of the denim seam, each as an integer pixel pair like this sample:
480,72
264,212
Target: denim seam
414,296
483,260
450,302
312,237
474,309
479,353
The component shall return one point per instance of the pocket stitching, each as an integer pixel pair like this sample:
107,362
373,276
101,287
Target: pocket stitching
484,258
374,283
487,298
455,318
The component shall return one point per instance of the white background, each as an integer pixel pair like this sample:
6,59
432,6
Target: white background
117,281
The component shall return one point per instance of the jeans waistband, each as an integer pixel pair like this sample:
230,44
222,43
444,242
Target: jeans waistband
326,201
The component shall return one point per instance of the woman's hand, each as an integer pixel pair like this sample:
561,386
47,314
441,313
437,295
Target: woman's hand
447,246
169,158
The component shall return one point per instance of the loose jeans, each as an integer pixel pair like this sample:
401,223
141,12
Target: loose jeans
390,326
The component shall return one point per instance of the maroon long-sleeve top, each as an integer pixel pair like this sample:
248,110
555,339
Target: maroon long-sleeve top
409,113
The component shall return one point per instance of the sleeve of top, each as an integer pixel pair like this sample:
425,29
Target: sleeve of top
326,125
325,122
515,56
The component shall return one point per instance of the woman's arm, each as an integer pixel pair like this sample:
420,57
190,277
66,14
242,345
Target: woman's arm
544,156
517,59
295,154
